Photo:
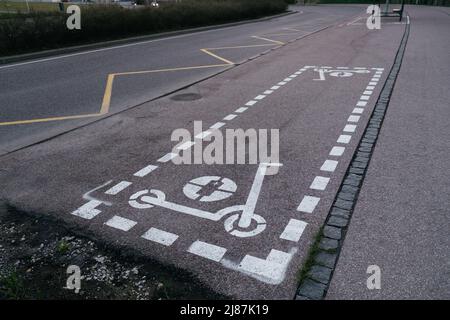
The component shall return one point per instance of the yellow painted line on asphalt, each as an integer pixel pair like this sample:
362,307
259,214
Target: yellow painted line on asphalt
107,95
171,69
50,119
216,56
106,102
241,47
267,39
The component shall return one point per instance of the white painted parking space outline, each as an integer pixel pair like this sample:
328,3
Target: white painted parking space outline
120,223
122,185
271,269
308,204
160,236
145,171
207,250
293,230
337,151
329,165
319,183
344,138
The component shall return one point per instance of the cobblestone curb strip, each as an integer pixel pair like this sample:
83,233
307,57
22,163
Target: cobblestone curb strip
316,283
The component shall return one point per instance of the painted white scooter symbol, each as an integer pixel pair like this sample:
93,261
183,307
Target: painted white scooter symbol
340,73
244,226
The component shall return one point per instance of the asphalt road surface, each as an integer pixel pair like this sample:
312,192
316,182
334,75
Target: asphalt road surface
114,179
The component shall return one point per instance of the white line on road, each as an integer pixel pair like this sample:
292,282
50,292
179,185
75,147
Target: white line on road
353,118
329,165
344,138
160,236
230,117
186,145
217,125
308,204
241,109
166,158
88,210
250,103
120,223
319,183
361,103
145,171
203,134
358,110
337,151
122,185
207,250
350,128
260,97
293,230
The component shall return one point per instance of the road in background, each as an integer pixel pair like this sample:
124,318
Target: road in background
69,91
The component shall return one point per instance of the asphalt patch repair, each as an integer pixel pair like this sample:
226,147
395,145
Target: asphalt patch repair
36,251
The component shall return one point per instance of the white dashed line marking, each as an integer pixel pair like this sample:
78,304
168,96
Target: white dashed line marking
364,98
88,210
282,83
358,110
145,171
275,88
260,97
186,145
349,128
268,92
308,204
118,187
120,223
337,151
344,138
230,117
353,118
361,103
319,183
329,165
206,250
368,92
203,134
166,158
241,109
250,103
293,230
370,87
217,125
160,236
372,83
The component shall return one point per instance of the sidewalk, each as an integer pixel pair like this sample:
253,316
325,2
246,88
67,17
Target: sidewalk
401,221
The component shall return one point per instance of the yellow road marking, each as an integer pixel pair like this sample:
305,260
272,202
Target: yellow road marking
107,96
171,69
216,56
50,119
270,40
106,102
293,29
240,47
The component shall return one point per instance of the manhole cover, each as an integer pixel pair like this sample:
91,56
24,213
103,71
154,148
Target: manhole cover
186,97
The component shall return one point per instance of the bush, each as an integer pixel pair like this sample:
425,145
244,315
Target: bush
45,30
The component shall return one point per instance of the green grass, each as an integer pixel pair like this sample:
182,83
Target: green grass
63,247
312,253
12,286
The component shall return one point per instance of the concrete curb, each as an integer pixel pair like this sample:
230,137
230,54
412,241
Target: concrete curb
318,278
105,44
